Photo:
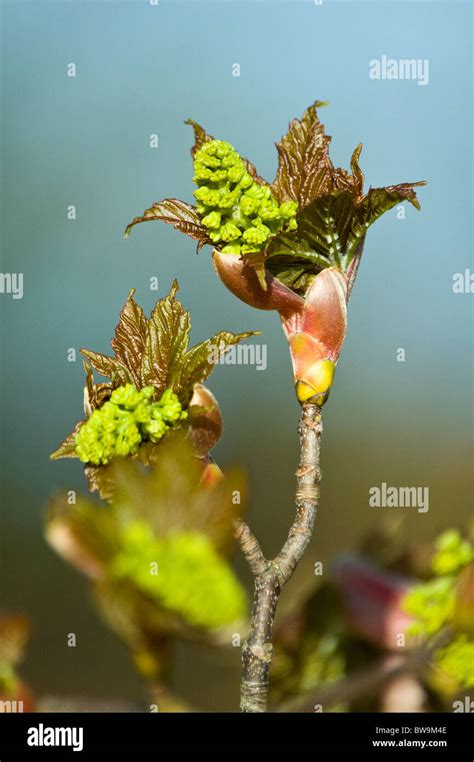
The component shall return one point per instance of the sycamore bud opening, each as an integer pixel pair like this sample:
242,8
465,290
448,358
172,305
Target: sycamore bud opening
240,214
127,419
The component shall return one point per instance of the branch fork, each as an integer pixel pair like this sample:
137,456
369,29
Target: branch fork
270,576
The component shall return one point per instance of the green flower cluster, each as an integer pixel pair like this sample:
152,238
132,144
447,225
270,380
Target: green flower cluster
128,418
436,603
183,573
240,214
431,604
452,553
457,660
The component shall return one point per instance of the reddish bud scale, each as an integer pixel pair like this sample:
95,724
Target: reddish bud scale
314,326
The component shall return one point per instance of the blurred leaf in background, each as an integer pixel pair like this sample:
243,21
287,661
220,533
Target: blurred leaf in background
158,554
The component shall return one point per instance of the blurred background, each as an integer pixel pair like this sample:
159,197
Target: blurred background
141,69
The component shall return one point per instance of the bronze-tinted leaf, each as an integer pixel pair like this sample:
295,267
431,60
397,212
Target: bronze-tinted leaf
166,342
357,174
100,480
326,225
373,205
108,366
334,225
200,136
379,200
130,337
67,448
305,170
183,216
201,360
292,260
94,394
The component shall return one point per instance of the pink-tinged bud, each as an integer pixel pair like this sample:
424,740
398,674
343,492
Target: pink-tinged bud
314,326
242,280
373,601
206,426
316,336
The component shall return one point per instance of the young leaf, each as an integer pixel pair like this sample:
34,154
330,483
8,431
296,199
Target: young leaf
332,226
333,212
357,174
292,260
200,136
305,170
67,448
130,337
94,394
100,480
326,225
200,361
108,366
184,217
167,339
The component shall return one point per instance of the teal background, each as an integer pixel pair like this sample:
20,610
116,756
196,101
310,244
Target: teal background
143,69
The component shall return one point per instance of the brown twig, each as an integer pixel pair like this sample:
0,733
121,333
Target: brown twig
250,547
271,576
